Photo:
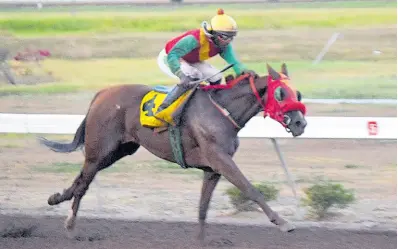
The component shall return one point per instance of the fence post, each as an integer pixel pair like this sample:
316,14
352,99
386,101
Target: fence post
284,166
4,66
288,175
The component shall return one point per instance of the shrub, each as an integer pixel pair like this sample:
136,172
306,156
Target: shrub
242,203
321,196
351,166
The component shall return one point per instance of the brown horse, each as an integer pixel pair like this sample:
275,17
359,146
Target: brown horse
112,130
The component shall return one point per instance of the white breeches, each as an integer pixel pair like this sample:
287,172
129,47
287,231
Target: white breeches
196,70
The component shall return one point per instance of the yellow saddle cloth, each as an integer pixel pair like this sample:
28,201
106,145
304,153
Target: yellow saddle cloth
150,104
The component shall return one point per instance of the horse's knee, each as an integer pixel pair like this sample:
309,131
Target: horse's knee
255,195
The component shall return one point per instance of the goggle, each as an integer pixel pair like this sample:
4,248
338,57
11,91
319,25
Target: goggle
224,38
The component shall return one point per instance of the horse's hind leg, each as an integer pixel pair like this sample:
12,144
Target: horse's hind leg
88,173
65,196
92,165
80,187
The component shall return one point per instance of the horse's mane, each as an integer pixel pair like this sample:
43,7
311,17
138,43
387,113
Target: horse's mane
230,82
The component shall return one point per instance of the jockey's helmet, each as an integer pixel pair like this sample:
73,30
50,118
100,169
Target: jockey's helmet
222,29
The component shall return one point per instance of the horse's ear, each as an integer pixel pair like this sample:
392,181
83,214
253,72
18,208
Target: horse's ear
275,75
284,69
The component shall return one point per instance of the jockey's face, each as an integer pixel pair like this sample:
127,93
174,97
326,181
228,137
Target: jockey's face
222,39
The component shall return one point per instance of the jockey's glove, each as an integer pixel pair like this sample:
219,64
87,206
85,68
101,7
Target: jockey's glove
251,72
185,80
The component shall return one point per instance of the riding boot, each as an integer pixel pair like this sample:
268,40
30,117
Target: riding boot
172,96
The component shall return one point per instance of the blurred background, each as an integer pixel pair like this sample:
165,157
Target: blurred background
55,55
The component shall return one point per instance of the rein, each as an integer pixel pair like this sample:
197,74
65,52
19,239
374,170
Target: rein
259,99
231,84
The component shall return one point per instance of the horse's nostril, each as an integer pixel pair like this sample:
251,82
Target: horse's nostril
298,123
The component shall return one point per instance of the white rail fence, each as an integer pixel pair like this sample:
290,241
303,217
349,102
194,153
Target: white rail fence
257,127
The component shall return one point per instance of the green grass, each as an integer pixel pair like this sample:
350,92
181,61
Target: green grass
67,167
160,166
19,136
51,23
350,68
288,44
157,166
59,167
352,166
210,7
329,79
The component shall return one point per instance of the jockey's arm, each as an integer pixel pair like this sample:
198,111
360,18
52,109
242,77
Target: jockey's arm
181,48
229,56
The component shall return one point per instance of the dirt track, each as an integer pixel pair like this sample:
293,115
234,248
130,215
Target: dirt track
124,194
115,234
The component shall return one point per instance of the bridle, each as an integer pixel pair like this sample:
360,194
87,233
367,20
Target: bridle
286,119
282,118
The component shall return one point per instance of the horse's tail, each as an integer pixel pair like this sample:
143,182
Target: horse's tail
78,141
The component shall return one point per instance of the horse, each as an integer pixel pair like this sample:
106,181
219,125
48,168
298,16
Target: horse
207,132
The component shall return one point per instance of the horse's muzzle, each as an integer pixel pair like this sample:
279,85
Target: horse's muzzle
295,122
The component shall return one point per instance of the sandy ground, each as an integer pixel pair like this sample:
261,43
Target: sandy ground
30,173
99,233
143,187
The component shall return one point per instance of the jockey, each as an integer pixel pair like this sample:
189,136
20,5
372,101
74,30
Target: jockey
184,56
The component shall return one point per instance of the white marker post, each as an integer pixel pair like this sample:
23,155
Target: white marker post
289,176
325,49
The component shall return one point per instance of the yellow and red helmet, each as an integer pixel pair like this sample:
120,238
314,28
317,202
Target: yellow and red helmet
222,28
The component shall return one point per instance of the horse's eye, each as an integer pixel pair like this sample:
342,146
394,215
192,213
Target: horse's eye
280,93
299,95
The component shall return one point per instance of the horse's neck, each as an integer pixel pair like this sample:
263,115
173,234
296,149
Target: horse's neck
240,102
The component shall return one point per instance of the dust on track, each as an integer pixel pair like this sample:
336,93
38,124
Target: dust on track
48,232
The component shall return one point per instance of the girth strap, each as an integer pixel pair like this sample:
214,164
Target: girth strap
176,145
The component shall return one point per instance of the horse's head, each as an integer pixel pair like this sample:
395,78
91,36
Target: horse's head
274,95
284,102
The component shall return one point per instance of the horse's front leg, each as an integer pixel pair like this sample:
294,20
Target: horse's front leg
222,163
210,180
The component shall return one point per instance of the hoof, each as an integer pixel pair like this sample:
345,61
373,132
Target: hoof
70,223
54,199
200,241
286,227
200,238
